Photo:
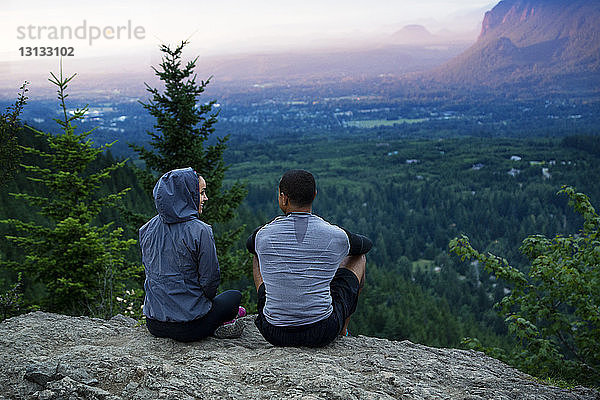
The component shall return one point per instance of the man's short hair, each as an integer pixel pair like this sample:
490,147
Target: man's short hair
299,185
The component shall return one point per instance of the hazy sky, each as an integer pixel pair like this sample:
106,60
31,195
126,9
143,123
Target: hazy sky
223,26
213,28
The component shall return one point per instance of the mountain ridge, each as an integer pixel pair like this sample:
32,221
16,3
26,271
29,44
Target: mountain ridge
413,34
548,42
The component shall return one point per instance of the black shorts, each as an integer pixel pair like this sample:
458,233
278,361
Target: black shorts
344,296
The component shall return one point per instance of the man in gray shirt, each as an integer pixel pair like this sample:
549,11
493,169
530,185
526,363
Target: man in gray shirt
308,272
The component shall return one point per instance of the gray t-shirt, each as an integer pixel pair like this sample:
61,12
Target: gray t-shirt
299,254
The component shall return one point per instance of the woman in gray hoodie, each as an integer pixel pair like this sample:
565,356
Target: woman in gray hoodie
180,262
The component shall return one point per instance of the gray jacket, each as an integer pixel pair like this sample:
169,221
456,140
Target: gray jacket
178,252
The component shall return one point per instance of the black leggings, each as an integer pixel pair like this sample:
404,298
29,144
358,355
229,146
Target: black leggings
224,308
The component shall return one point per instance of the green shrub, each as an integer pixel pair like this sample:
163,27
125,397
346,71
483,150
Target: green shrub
554,309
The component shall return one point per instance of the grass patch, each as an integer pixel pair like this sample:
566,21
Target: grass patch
422,265
374,123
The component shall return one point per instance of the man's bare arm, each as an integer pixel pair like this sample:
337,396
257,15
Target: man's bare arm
258,280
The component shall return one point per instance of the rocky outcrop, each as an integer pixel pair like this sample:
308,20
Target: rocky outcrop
49,356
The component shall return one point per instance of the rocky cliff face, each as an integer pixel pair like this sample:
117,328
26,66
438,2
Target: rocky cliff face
527,22
550,41
49,356
507,13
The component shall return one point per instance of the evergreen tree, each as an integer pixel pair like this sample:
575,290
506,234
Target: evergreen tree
9,128
182,127
554,309
82,266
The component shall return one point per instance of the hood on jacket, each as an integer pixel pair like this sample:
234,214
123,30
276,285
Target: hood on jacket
177,195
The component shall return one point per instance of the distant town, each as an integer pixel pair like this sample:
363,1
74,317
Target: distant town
243,116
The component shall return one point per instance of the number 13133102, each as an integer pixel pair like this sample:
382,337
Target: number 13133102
46,51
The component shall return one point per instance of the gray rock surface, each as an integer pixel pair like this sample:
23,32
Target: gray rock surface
50,356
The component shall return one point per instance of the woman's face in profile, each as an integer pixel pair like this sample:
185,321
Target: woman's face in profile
203,196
